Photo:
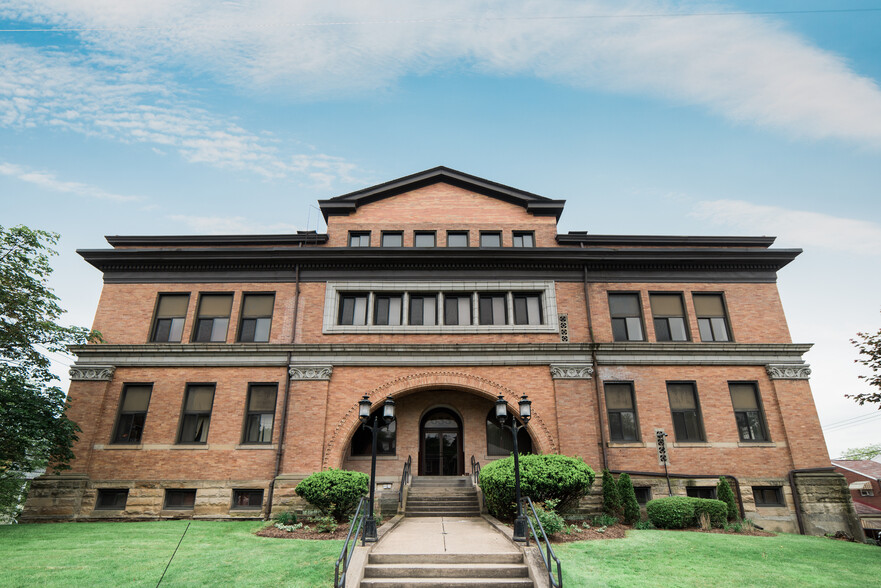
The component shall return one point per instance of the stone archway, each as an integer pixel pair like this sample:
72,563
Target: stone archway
339,437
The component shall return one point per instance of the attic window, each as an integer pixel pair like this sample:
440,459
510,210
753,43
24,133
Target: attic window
490,239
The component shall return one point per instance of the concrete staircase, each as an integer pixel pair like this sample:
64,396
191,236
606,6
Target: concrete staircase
446,570
442,496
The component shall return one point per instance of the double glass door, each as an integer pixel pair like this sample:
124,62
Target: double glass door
440,453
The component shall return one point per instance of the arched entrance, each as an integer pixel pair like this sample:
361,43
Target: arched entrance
440,444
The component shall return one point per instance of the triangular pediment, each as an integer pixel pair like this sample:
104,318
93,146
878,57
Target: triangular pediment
533,203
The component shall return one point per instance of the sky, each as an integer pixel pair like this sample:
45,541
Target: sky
683,118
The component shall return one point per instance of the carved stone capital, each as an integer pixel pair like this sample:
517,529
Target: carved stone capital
92,373
786,371
571,371
310,372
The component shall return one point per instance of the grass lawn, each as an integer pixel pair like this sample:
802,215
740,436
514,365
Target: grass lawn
134,554
672,558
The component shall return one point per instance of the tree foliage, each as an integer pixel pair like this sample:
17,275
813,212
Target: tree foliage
34,431
869,347
612,505
630,506
867,452
726,495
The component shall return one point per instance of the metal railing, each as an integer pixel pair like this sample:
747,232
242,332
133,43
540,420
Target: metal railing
355,527
547,553
475,471
405,479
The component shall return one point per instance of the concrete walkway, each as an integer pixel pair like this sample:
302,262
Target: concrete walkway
436,535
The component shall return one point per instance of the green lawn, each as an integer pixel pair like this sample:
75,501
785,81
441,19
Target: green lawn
671,558
134,554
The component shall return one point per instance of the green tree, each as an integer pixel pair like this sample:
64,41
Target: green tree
867,452
869,347
34,431
611,496
726,495
630,507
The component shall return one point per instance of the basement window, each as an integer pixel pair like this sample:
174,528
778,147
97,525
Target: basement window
180,499
111,499
768,496
247,499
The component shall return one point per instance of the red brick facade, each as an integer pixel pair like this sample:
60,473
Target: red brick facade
321,366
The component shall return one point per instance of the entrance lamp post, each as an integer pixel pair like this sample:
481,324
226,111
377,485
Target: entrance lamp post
388,415
515,426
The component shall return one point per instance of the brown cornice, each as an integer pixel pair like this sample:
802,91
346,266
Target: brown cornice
583,238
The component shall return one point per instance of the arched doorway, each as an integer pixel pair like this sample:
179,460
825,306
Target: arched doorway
440,444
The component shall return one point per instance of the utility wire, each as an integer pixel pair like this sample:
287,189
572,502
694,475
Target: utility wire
461,20
863,421
848,419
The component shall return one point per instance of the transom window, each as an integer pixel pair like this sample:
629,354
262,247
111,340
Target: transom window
171,312
712,321
669,317
523,239
132,413
685,410
212,322
256,318
626,317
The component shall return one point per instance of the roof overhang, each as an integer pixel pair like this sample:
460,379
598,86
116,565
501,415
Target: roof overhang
861,485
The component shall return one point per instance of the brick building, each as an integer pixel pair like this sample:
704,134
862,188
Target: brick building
864,482
232,366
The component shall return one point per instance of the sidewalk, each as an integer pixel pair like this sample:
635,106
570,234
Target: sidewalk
425,535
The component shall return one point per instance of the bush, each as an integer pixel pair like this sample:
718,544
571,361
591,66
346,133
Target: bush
611,496
550,521
630,507
726,495
542,477
286,518
325,524
334,492
604,520
681,512
643,525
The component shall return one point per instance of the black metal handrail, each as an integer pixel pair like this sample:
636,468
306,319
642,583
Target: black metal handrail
355,527
475,471
405,478
547,553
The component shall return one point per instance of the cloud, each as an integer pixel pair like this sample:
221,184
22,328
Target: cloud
48,181
794,226
117,99
747,68
230,225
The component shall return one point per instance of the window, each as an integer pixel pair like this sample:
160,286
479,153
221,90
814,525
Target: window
622,412
643,494
392,239
669,317
708,492
457,309
867,492
490,239
492,309
261,413
387,309
457,238
359,238
247,499
626,317
386,438
499,441
527,309
423,309
212,320
353,309
197,414
256,318
424,239
524,239
768,496
711,318
171,311
111,499
132,413
180,499
686,412
748,412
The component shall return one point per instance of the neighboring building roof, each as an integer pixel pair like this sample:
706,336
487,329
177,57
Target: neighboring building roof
865,467
300,238
533,203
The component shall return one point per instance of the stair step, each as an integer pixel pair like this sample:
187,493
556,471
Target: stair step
449,514
442,570
446,582
512,557
441,499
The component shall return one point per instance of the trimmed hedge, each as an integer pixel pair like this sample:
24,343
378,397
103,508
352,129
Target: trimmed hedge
681,512
542,477
334,492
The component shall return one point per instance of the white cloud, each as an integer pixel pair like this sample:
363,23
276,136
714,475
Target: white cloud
746,68
800,227
230,225
48,181
119,100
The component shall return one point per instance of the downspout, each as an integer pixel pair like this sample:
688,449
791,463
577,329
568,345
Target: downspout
595,377
796,501
695,476
279,452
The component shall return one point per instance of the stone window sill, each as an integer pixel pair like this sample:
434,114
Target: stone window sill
256,446
198,447
625,444
127,446
697,444
756,444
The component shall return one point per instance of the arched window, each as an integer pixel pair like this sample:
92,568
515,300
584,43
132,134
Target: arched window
385,440
500,442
